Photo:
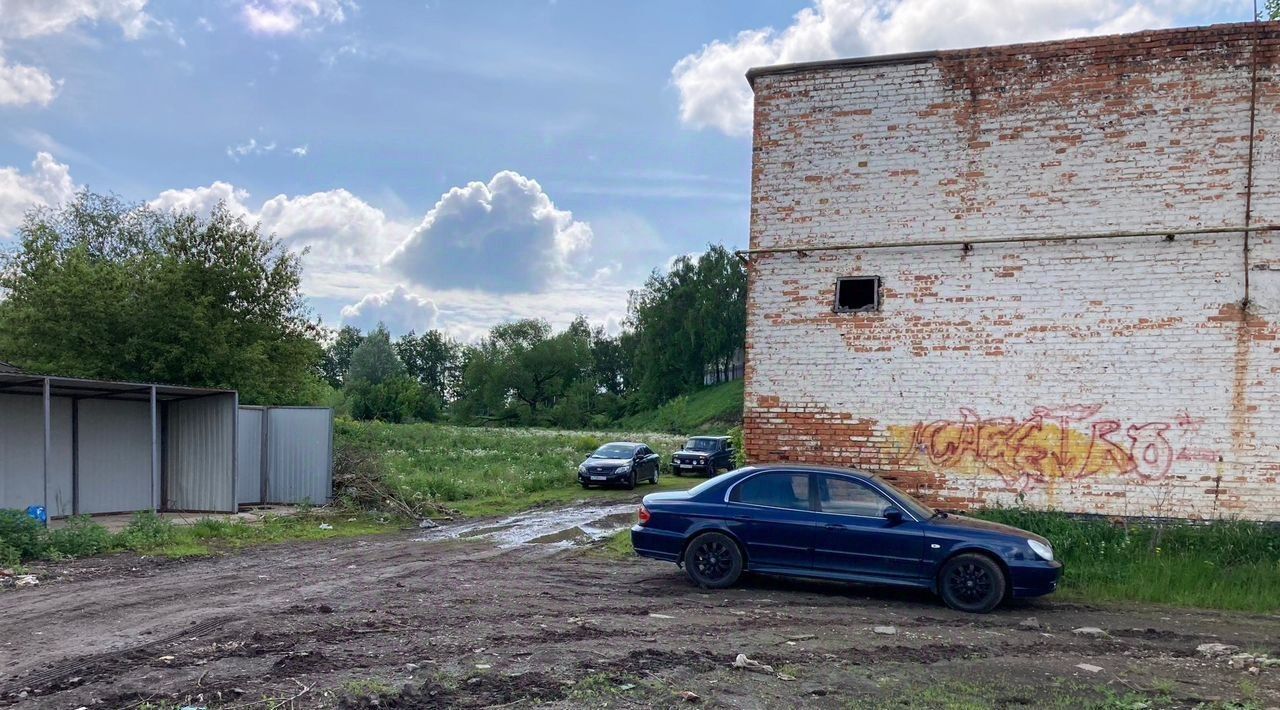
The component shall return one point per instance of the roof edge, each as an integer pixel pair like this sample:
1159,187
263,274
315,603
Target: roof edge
823,64
932,54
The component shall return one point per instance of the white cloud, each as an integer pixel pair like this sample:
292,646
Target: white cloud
504,236
300,151
399,309
21,85
250,147
203,199
336,221
37,18
285,17
714,91
47,184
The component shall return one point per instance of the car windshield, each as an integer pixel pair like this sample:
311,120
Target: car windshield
614,451
918,509
700,445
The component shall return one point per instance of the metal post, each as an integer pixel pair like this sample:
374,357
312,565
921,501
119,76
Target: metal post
155,455
75,457
48,442
264,465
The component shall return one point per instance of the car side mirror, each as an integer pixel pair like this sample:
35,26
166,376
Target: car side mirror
893,514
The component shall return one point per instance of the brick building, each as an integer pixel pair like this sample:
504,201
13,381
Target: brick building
1036,274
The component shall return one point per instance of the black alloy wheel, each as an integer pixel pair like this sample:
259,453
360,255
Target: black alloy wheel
631,481
713,561
972,583
711,468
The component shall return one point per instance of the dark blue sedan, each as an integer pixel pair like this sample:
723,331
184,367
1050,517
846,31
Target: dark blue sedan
837,524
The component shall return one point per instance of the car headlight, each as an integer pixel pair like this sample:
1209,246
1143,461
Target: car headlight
1044,551
582,468
623,469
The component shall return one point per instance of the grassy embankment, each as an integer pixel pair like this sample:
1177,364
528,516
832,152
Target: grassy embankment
714,410
1221,565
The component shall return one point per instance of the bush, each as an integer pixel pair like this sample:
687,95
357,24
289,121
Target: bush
80,537
147,531
22,533
9,557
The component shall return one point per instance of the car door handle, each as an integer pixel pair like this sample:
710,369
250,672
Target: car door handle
834,526
742,518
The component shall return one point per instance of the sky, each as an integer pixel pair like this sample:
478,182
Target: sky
454,164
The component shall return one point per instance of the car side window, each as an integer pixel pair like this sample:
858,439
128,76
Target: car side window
846,496
775,490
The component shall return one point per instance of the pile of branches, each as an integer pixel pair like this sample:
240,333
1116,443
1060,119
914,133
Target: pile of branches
359,479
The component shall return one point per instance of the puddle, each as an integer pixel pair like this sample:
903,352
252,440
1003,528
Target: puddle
553,529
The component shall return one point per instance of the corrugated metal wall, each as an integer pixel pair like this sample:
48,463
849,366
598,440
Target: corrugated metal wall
299,455
115,456
22,453
200,454
249,467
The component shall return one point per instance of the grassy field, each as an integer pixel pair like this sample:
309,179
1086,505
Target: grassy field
714,410
479,471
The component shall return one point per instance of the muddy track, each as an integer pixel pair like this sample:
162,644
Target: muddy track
473,623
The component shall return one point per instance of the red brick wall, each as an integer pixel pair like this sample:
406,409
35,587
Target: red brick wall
1118,376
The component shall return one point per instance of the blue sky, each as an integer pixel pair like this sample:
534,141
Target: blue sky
453,164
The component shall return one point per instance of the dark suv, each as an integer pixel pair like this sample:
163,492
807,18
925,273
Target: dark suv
704,455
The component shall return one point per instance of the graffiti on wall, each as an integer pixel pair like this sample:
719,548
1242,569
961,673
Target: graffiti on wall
1054,444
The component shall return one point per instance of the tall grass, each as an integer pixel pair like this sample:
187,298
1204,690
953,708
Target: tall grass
449,464
1223,564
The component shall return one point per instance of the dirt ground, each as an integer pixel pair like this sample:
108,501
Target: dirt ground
487,618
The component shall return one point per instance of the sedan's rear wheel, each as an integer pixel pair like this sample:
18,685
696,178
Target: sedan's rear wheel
654,478
713,561
972,583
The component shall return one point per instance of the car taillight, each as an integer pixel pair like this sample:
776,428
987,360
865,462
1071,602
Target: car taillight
644,515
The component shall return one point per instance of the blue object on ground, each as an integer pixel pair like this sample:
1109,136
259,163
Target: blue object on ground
38,512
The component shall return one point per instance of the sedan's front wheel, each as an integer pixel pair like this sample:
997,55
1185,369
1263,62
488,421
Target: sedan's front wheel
631,481
972,583
713,561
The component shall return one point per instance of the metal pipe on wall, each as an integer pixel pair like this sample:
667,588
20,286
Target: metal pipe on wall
1166,233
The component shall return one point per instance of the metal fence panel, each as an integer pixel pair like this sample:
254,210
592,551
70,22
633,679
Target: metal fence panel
115,456
22,453
249,462
299,455
200,454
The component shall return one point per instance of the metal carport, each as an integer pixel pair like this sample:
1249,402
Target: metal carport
88,446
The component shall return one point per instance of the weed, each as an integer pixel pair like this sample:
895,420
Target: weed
79,537
23,533
147,531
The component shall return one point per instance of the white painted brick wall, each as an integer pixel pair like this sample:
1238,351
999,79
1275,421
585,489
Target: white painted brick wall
1154,394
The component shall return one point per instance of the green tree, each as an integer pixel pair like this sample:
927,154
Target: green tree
379,387
375,360
685,320
1270,10
337,355
103,289
521,370
434,360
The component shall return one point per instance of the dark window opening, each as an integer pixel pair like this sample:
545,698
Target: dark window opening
858,294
